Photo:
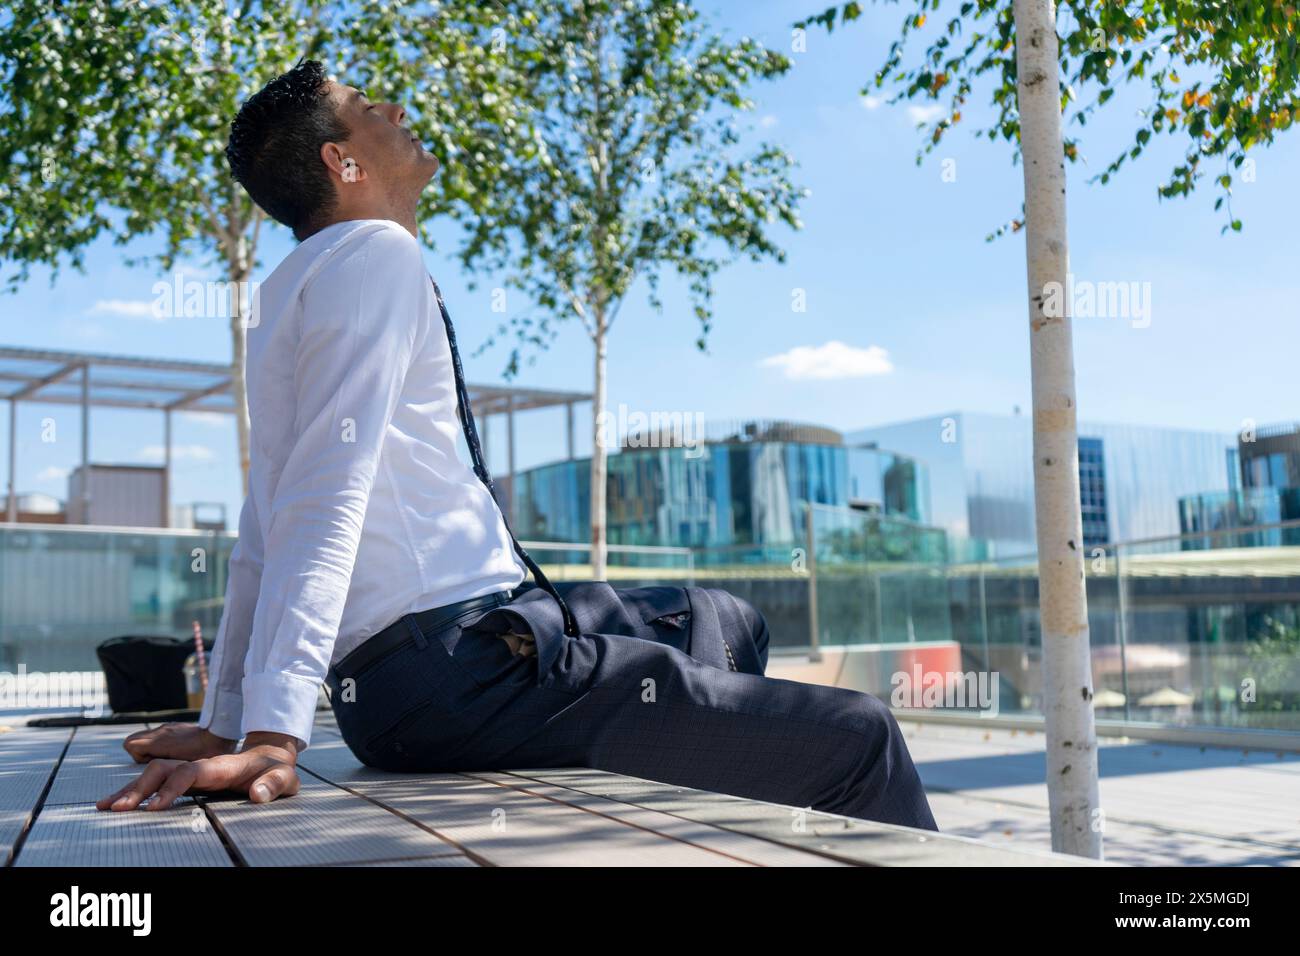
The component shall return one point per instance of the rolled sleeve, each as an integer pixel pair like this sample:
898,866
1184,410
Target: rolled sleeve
283,703
223,703
223,712
363,317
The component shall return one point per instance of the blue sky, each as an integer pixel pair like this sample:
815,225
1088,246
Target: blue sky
892,261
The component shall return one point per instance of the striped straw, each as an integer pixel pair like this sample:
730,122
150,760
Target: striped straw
198,650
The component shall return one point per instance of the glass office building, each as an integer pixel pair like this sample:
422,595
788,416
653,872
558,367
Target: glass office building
1131,477
1092,492
1271,457
749,486
1264,489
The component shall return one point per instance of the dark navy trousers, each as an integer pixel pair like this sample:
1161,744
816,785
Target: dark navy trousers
664,683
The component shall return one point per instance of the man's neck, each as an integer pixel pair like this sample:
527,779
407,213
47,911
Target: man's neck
403,217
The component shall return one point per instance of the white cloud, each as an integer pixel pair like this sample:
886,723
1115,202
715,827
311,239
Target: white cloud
925,114
830,361
52,473
768,121
870,102
129,308
179,453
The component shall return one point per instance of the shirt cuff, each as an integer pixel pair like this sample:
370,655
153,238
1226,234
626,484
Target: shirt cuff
222,709
280,704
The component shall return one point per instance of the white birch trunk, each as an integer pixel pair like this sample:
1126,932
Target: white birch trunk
240,270
598,452
1063,601
238,390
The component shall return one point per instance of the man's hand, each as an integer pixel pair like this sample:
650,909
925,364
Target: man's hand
179,741
264,769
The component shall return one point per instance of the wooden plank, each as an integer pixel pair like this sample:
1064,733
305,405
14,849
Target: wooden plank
507,827
83,836
94,766
321,826
401,791
27,758
739,846
31,749
844,838
422,861
336,762
331,759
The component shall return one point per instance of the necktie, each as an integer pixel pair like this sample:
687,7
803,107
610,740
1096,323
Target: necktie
480,469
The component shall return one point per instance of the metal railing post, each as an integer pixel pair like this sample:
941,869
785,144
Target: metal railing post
1121,630
810,543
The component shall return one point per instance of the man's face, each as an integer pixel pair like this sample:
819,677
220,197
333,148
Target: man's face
379,142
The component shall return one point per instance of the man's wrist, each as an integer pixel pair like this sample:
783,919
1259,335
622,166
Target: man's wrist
267,738
219,741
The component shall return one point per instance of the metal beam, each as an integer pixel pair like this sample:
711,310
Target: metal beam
484,399
192,397
85,444
117,361
167,468
510,452
35,385
124,403
568,428
11,507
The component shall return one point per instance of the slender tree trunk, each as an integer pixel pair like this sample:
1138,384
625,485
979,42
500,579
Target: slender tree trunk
1063,600
598,452
240,270
238,390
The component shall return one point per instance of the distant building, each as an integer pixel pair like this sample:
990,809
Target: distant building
1131,477
1264,480
743,484
1270,458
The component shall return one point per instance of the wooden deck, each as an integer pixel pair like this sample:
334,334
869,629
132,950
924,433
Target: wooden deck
350,815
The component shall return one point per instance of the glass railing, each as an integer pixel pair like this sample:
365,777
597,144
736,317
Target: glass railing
1189,629
65,589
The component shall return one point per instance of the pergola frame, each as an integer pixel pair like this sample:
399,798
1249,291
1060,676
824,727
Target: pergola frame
169,385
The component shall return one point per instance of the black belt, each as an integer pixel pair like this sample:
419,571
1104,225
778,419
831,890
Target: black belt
412,627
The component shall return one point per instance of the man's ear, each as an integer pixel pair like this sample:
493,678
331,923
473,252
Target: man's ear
337,160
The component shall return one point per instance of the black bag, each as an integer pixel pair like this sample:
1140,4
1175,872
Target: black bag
146,673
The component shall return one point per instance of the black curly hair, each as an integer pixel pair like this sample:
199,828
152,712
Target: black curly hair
274,147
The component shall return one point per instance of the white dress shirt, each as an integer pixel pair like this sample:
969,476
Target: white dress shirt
359,508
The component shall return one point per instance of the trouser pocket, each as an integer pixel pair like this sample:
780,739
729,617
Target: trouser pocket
390,748
407,710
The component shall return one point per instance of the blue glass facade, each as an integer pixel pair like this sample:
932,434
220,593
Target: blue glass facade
1242,508
1271,458
1092,492
1264,488
981,468
718,494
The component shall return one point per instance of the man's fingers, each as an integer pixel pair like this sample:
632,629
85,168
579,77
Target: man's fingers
280,781
177,783
138,744
129,797
261,776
